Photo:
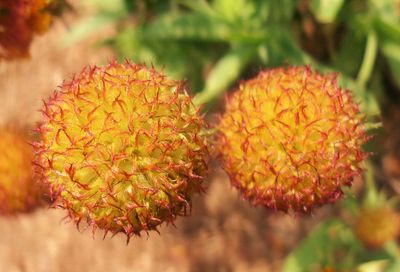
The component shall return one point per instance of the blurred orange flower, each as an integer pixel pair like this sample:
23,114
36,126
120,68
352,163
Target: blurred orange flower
19,191
20,20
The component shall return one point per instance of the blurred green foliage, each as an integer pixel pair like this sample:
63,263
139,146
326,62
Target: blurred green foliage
215,43
332,244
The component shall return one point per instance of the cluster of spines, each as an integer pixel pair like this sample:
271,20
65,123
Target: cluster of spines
291,138
138,125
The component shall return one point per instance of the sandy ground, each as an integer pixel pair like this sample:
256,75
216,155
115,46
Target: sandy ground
223,233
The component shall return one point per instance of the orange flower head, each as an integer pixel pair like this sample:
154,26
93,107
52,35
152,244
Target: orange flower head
291,138
123,148
375,226
19,191
20,20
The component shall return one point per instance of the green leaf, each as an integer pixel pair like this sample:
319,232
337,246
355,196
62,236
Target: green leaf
199,6
325,11
385,9
388,30
279,11
226,71
391,50
284,48
179,26
129,45
315,251
235,10
184,59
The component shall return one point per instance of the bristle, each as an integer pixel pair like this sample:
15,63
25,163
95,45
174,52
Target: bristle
291,138
123,145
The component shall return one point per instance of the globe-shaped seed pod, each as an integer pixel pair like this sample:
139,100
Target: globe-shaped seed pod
20,20
290,139
123,148
19,190
374,226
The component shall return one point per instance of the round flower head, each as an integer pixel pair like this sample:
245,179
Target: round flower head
19,21
376,226
290,139
122,147
19,191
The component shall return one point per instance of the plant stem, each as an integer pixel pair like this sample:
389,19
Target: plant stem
372,192
367,65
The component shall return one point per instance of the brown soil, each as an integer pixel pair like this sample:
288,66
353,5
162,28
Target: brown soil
223,233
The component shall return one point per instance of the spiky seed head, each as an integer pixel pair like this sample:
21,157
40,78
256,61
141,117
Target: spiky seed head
19,190
291,138
20,20
122,147
374,226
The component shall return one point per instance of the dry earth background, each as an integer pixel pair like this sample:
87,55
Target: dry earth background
223,233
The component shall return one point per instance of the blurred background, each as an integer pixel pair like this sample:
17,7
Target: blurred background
213,45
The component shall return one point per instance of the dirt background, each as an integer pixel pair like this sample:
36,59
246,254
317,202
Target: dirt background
223,233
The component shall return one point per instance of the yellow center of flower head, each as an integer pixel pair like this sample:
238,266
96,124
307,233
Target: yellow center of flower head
18,192
124,148
290,138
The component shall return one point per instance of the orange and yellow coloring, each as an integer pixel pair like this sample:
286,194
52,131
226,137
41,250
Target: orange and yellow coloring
123,148
375,226
19,191
291,138
20,20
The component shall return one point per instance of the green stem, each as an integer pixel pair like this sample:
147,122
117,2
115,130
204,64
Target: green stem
372,192
367,65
